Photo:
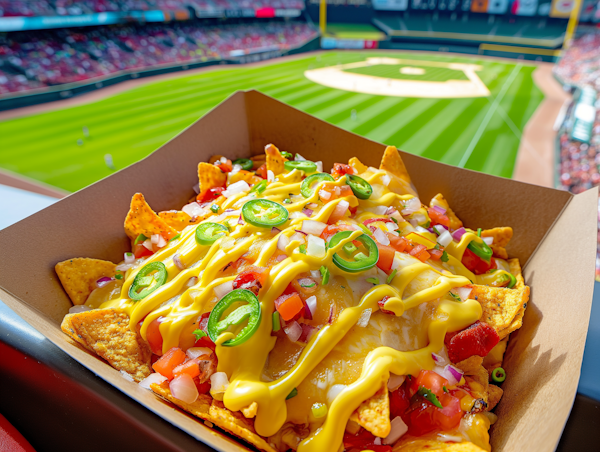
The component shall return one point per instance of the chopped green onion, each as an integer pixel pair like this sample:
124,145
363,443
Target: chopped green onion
287,201
260,187
308,286
394,220
456,297
429,396
498,375
128,254
391,277
478,232
199,334
215,208
276,321
444,257
302,249
292,394
426,225
365,229
349,248
175,238
324,275
373,280
119,276
445,389
319,410
140,238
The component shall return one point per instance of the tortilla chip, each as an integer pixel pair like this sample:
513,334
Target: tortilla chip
374,413
495,356
478,381
244,175
214,158
515,269
440,201
79,275
501,238
258,161
176,219
67,328
199,408
494,396
470,365
502,308
141,219
410,444
357,165
107,333
238,425
210,176
393,164
275,161
250,410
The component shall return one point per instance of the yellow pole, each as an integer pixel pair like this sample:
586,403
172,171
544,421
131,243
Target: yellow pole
572,25
323,17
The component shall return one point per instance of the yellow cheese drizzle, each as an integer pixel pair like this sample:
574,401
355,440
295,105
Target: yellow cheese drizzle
181,305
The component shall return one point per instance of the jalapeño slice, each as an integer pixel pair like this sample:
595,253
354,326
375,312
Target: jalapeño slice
360,262
246,164
144,281
250,311
482,250
306,188
208,233
360,187
264,213
303,165
260,187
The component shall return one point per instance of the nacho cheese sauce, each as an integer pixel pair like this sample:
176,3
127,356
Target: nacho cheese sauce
180,305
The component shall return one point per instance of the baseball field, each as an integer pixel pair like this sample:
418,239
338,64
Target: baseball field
476,120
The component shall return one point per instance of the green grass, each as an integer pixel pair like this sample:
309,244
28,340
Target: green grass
355,31
432,74
479,133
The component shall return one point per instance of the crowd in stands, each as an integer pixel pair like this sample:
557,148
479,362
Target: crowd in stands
31,60
14,8
579,167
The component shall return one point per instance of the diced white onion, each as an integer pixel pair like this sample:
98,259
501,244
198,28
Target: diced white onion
293,331
324,194
395,381
464,292
148,244
270,176
299,158
380,210
129,258
316,274
227,214
385,180
123,267
223,289
364,318
377,441
195,352
488,240
440,229
177,261
282,242
315,246
298,237
398,429
319,166
235,188
450,373
158,240
193,209
79,308
421,229
311,302
313,227
183,388
296,215
419,218
444,238
236,168
381,237
126,376
152,378
192,281
218,383
444,437
227,243
333,392
391,227
396,215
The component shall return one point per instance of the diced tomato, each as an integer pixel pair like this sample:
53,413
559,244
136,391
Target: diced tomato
477,265
477,339
210,194
226,166
204,341
363,440
374,220
436,255
419,418
289,305
140,250
333,229
432,381
169,361
341,169
251,278
328,193
353,210
203,388
381,304
420,252
262,171
438,218
338,213
190,367
386,257
399,243
154,337
399,402
345,190
448,417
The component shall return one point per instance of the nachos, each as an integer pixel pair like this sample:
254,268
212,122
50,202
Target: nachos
306,310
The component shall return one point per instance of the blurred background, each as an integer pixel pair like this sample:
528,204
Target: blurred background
88,87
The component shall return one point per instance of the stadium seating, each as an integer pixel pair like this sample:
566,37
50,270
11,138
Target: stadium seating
30,60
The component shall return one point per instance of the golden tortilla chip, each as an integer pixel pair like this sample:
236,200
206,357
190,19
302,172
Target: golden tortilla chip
515,269
238,425
374,413
79,275
244,175
410,444
199,408
357,165
478,382
440,201
494,396
502,308
141,219
495,356
210,176
107,333
501,238
176,219
67,328
393,164
275,161
470,365
258,161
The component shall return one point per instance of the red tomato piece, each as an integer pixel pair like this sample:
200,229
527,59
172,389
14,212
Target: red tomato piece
289,305
448,417
341,169
140,250
262,171
419,418
429,379
398,243
399,402
475,264
345,190
381,304
374,220
363,440
169,361
210,194
190,367
386,257
436,255
420,252
438,218
154,337
226,166
477,339
251,278
203,388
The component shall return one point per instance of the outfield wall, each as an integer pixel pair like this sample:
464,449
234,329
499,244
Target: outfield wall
69,90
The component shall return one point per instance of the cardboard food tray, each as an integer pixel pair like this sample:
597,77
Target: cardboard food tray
554,237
